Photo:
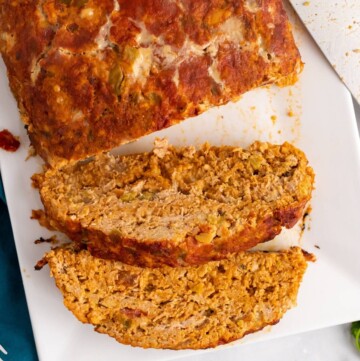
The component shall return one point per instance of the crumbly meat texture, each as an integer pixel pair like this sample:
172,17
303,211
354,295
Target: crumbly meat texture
90,75
178,206
179,308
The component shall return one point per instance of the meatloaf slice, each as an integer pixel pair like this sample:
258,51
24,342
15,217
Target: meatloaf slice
178,206
90,75
179,308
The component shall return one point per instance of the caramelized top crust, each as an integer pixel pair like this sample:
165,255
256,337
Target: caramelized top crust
92,74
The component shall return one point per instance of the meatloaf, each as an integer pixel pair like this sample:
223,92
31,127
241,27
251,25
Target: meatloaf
178,206
179,308
90,75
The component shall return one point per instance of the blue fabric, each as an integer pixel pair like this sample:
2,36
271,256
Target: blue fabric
16,336
2,194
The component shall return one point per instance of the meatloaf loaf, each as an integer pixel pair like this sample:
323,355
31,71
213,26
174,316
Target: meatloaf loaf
90,75
179,308
178,206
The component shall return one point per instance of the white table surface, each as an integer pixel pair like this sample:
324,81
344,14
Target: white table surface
330,344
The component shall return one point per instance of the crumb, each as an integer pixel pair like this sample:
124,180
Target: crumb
40,264
31,153
306,3
273,119
52,240
304,218
356,51
290,113
316,246
309,256
308,210
40,216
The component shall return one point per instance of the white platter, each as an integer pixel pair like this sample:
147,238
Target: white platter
323,125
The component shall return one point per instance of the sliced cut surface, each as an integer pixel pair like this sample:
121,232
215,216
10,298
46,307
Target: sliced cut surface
179,308
178,206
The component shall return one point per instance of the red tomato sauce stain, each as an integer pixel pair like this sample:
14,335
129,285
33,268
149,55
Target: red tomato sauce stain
8,142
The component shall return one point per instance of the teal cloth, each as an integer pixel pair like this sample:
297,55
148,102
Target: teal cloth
16,335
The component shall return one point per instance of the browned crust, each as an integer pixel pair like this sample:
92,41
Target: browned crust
310,257
61,78
189,252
